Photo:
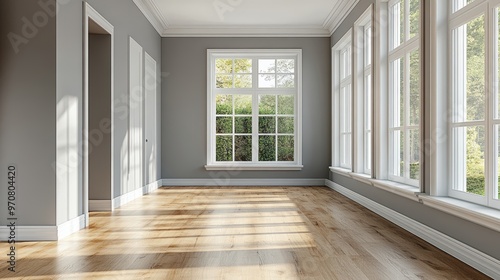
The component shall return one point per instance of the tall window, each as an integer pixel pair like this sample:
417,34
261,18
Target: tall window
254,108
367,98
475,102
404,91
342,96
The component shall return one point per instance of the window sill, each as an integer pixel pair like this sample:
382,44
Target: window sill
472,212
407,191
243,167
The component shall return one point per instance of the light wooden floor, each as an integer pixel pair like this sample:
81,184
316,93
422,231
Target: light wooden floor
238,233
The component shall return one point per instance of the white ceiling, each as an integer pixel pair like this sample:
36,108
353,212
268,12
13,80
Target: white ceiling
244,18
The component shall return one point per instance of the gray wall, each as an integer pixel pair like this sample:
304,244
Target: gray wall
184,105
28,113
356,12
99,113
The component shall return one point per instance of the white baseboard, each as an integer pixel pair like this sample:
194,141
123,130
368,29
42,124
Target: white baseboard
469,255
30,233
71,226
100,205
128,197
215,182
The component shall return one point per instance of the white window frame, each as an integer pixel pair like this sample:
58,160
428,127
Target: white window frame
341,81
403,50
255,54
363,93
458,18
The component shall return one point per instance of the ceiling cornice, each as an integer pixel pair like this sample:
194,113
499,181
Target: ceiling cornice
338,14
331,23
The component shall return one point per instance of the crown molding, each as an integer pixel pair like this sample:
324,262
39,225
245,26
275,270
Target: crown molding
338,14
246,31
153,15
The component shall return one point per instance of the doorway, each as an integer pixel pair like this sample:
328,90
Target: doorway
98,112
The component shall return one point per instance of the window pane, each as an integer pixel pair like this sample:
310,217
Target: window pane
414,154
368,150
267,66
223,65
397,13
242,104
469,172
285,104
286,148
398,90
345,150
224,81
243,148
286,66
267,124
459,4
414,17
224,148
224,104
285,81
368,102
267,81
285,125
243,125
224,125
368,46
397,153
243,81
243,65
267,104
267,148
469,70
414,88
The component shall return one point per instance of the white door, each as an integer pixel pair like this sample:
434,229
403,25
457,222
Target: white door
150,124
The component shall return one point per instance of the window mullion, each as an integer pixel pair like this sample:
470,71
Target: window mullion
255,111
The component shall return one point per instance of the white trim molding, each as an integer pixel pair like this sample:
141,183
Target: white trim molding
157,19
67,228
222,179
467,254
130,196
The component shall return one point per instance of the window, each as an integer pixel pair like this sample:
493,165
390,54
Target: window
342,96
254,106
475,103
404,91
367,98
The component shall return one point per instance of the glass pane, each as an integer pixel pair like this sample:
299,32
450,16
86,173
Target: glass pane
286,66
224,125
459,4
414,17
243,125
368,46
285,104
397,13
223,65
469,70
224,148
224,81
414,88
368,150
243,148
286,148
414,154
243,65
398,90
242,104
397,151
285,125
345,150
267,81
224,104
285,81
469,172
243,81
368,102
267,125
267,148
267,66
267,104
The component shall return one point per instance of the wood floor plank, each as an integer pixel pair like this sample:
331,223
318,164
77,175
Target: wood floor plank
238,233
